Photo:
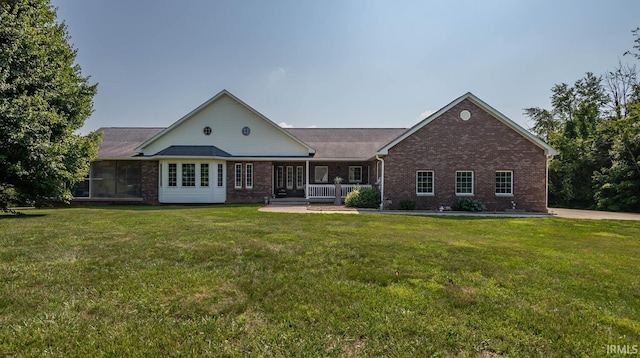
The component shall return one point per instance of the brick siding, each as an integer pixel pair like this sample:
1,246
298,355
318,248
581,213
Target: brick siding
483,145
149,181
262,177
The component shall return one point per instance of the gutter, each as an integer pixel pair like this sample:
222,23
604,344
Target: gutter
381,183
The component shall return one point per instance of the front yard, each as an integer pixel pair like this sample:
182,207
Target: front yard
232,281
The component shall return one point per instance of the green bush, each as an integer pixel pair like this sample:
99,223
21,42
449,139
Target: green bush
363,198
470,204
407,205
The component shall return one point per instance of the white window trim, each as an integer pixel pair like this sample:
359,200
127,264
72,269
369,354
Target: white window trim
248,179
235,176
353,180
220,175
473,182
169,177
290,179
299,177
280,176
511,189
315,175
433,183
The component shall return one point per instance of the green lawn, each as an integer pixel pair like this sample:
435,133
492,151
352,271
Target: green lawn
232,281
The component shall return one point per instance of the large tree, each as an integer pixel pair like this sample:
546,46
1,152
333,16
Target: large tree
44,100
595,125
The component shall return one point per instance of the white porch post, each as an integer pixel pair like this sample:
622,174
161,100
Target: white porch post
306,183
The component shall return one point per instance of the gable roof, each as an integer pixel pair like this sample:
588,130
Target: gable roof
220,94
548,150
121,142
346,143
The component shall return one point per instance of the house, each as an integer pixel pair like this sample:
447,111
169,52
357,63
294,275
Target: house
224,151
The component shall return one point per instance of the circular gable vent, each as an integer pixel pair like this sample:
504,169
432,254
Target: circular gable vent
465,115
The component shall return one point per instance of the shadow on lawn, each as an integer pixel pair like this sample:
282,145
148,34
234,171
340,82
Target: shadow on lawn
19,215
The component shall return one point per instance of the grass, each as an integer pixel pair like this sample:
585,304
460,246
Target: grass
232,281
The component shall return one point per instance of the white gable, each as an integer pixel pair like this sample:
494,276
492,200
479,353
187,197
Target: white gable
227,116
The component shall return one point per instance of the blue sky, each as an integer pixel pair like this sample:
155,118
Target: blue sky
338,63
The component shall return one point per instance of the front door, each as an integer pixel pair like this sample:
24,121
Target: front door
288,180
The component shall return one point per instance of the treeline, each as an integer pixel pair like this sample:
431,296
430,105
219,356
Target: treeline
595,126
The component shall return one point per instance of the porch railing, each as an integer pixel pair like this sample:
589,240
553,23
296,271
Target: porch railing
328,191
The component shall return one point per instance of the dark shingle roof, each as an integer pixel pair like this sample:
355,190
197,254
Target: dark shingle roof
194,150
346,142
119,142
334,143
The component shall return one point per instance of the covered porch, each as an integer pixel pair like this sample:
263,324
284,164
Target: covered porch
314,180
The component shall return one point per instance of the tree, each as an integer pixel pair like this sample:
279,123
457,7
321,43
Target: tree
44,100
570,127
617,187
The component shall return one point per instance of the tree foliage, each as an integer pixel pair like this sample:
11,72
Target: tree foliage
44,100
595,126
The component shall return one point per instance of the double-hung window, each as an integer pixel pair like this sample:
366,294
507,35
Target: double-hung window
424,182
355,174
464,182
504,182
204,174
238,176
173,174
248,176
220,175
188,174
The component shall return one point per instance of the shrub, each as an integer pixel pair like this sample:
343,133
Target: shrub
407,205
363,198
470,204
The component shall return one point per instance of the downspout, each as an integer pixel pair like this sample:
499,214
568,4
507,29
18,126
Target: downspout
381,183
549,158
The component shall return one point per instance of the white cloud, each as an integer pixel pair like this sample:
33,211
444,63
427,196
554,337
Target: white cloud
275,75
285,125
426,113
312,126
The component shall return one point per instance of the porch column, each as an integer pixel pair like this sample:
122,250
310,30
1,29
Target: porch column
306,183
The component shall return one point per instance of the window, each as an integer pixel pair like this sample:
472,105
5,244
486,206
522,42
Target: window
188,174
111,179
424,182
204,174
289,177
355,174
220,175
206,130
249,176
280,177
238,174
322,174
504,182
246,131
82,189
299,177
173,174
464,183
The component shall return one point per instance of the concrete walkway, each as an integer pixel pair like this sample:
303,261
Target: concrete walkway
553,212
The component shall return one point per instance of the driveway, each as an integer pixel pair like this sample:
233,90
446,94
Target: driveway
561,213
592,214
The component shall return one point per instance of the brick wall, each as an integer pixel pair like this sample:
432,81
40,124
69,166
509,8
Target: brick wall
262,178
149,182
483,145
